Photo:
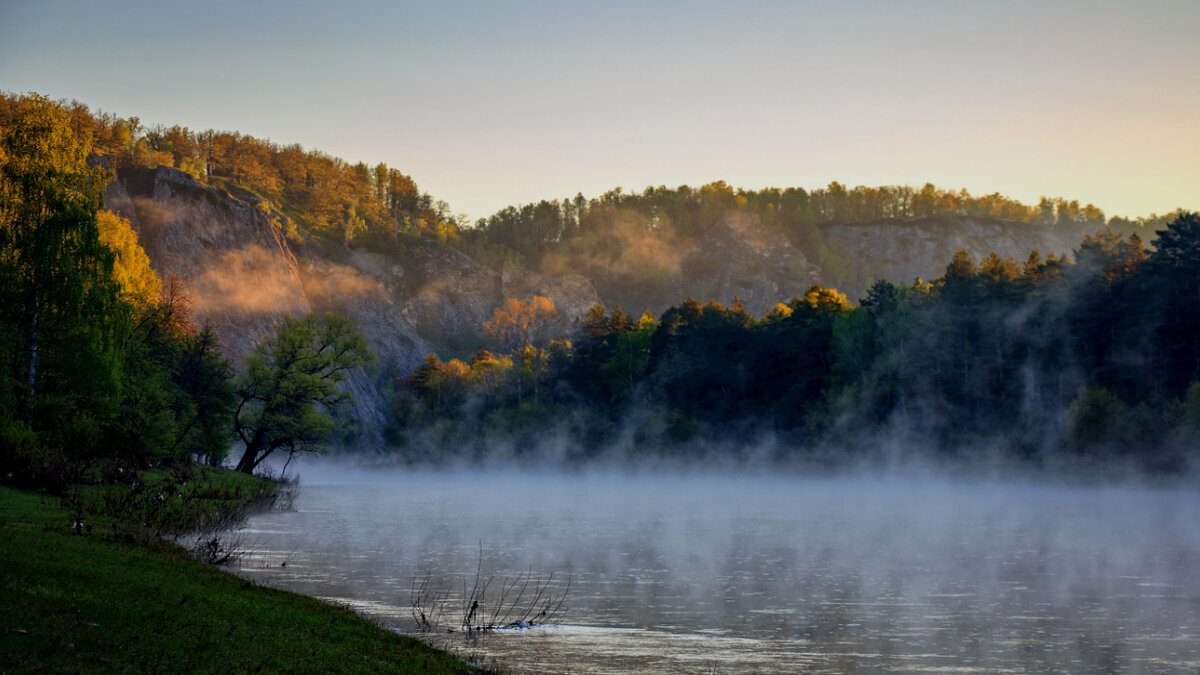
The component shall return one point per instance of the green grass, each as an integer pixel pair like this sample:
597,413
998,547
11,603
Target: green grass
92,603
161,501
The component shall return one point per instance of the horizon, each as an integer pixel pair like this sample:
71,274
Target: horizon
491,106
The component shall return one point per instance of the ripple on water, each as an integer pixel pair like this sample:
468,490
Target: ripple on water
741,574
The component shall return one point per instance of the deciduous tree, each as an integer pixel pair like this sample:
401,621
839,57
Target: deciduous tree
293,381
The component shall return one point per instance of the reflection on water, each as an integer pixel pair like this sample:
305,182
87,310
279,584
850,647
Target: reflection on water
764,574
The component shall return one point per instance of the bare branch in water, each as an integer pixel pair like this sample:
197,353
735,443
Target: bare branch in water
522,601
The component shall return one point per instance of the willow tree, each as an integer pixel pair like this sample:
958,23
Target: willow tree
293,381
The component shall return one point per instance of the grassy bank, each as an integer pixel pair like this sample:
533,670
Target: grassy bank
108,599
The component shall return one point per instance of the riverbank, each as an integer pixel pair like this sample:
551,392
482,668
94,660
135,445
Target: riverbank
98,596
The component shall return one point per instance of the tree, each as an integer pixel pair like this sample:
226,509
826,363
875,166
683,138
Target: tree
821,300
1175,265
204,380
882,297
292,384
139,283
59,307
518,324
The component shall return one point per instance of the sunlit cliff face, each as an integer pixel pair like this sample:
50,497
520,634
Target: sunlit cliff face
759,573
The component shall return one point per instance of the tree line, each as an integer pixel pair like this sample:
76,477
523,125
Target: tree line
630,243
105,370
1095,360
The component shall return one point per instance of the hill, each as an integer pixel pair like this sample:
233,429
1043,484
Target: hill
248,231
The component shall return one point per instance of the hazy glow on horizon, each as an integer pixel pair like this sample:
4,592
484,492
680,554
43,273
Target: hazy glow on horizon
491,104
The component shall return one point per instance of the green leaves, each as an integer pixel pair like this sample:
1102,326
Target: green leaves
60,316
293,382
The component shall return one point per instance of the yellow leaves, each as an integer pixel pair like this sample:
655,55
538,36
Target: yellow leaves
517,323
825,300
488,370
193,166
778,312
131,270
39,148
456,370
542,307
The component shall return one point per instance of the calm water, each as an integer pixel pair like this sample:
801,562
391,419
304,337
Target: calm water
759,573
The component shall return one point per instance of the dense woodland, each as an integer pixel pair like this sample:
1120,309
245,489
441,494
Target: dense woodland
1094,359
376,206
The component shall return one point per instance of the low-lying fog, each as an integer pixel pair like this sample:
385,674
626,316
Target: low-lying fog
757,572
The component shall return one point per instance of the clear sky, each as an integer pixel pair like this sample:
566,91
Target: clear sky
493,103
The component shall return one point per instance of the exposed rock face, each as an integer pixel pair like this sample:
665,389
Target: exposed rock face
243,275
450,296
741,258
901,251
365,295
363,287
240,272
573,295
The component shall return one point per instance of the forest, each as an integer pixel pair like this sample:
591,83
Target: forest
1092,359
1090,362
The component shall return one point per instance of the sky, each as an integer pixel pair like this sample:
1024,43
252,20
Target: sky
487,104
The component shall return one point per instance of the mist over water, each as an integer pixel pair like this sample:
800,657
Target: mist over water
763,573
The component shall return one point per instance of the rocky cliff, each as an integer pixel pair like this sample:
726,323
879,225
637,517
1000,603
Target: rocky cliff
243,274
240,273
740,258
903,250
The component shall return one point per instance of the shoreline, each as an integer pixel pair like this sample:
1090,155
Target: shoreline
105,599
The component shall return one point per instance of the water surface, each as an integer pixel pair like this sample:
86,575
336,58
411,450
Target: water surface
760,573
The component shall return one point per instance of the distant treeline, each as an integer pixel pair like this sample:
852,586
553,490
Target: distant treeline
1095,359
630,244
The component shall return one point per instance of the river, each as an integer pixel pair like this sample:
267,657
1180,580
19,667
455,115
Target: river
755,572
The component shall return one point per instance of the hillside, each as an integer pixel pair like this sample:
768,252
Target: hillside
242,270
242,273
902,250
255,230
654,248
